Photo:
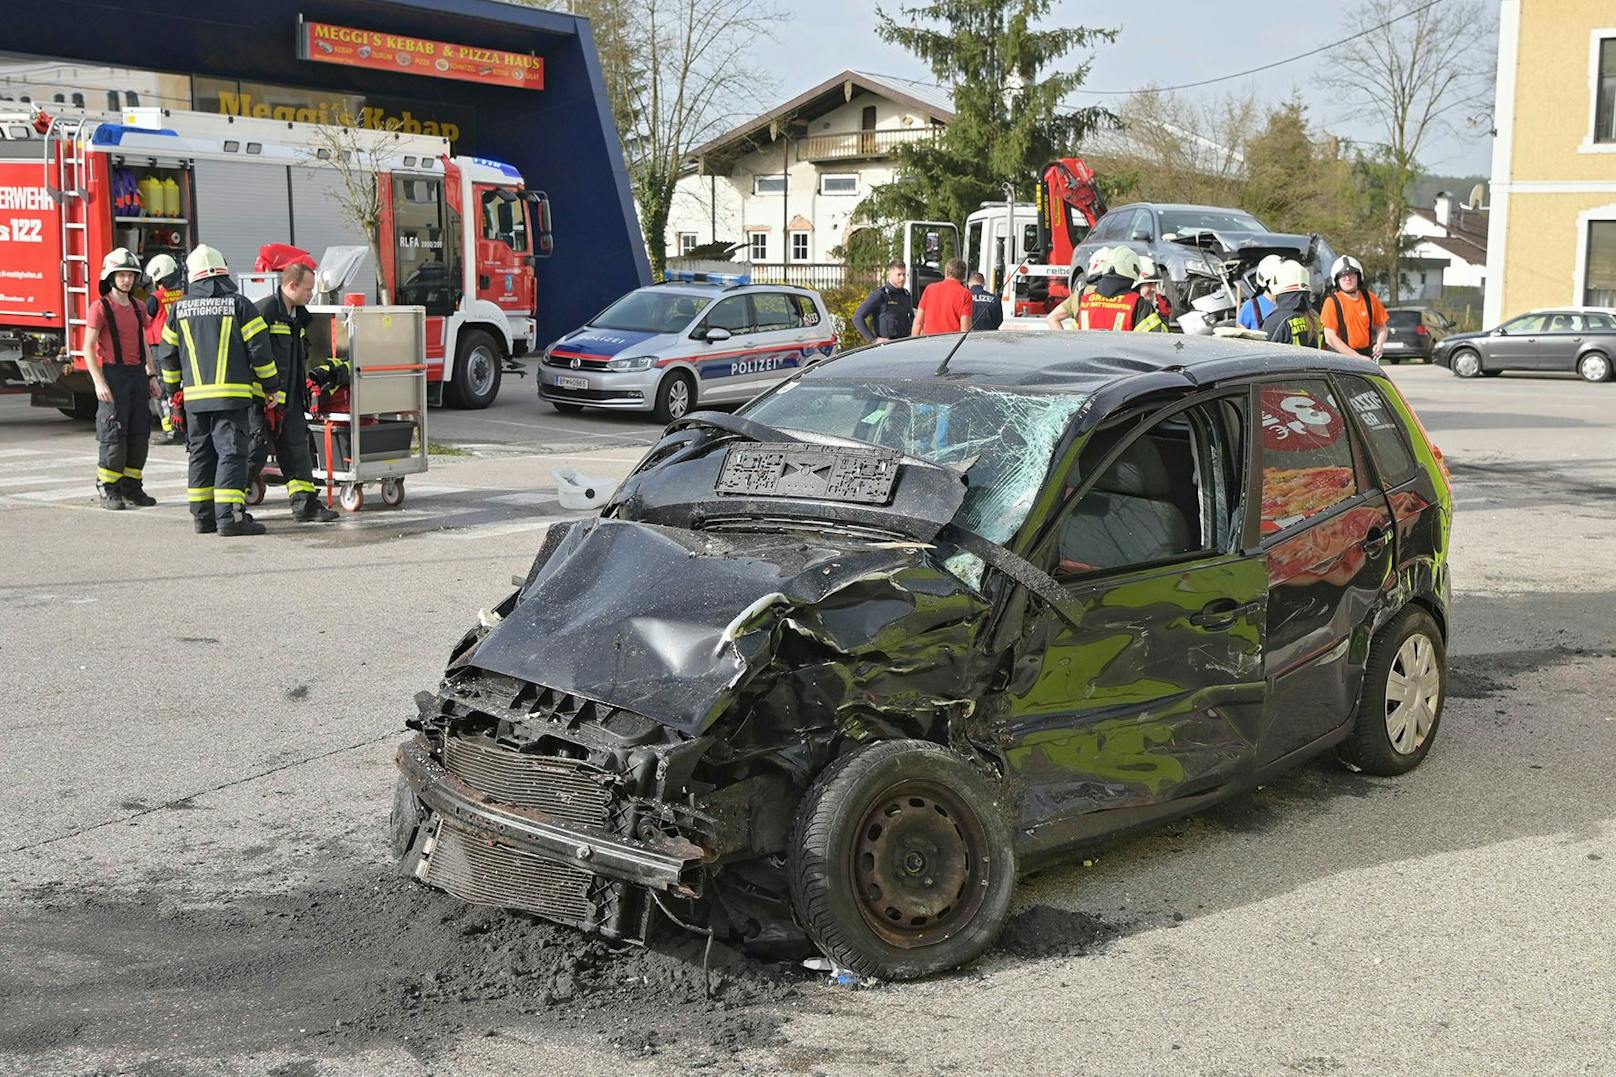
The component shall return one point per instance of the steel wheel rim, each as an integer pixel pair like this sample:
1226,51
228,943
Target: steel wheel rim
1596,368
1466,364
678,398
480,370
1413,693
920,864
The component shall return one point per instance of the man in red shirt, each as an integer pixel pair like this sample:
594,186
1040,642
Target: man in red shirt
947,306
118,359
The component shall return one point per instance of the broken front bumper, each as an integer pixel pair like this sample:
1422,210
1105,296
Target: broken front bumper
459,838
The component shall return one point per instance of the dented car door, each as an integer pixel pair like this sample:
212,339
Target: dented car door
1149,688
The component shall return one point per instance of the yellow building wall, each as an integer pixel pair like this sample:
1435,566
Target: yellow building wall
1553,98
1541,251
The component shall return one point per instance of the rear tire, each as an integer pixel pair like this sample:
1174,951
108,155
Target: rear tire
1466,363
84,406
477,370
902,863
1594,367
1404,689
675,396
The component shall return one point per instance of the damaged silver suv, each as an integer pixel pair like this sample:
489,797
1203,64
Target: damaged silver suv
830,672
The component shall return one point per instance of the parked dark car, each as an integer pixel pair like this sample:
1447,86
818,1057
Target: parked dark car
831,671
1413,333
1191,243
1580,340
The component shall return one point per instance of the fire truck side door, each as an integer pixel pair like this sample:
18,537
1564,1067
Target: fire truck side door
504,275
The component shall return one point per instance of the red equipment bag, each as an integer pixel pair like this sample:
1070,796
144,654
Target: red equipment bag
274,257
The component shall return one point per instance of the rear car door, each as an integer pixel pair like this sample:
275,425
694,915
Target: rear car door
1325,531
1150,689
777,342
1559,342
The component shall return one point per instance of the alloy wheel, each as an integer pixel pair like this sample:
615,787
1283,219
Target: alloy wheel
678,398
1413,690
1467,364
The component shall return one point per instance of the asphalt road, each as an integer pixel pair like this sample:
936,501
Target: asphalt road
197,769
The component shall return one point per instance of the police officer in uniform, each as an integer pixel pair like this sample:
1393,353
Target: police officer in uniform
1292,320
286,314
216,347
892,305
1115,303
116,356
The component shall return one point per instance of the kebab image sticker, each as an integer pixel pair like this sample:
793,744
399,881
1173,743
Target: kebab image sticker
325,47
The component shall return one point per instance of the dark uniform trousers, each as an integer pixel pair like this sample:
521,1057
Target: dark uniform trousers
291,447
217,443
123,427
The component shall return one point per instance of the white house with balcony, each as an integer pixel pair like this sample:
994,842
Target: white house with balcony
785,183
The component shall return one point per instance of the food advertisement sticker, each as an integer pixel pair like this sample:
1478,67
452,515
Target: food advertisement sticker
324,43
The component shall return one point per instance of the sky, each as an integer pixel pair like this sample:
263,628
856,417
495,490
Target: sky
1164,42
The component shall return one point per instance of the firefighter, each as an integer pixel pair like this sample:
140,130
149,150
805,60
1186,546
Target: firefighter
1255,310
287,317
1115,302
1078,283
1292,320
216,347
1150,286
166,285
119,363
1355,320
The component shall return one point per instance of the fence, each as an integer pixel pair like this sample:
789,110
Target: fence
817,275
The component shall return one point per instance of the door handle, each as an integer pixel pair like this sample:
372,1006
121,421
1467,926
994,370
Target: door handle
1377,540
1221,613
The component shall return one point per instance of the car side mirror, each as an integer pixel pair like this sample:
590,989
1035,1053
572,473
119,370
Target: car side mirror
1140,235
1499,332
714,333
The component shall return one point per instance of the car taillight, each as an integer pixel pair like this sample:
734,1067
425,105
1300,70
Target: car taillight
1420,331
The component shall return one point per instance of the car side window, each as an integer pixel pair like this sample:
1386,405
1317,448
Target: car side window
807,313
1565,323
773,311
1526,323
731,314
1174,491
1306,455
1600,322
1387,440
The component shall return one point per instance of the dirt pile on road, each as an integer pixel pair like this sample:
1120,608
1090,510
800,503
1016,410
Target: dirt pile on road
375,959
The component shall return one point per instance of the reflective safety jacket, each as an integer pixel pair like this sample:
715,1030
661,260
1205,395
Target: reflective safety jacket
1115,305
217,346
289,341
1292,321
162,298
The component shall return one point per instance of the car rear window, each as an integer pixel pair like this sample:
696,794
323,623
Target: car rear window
1307,465
1388,441
1403,319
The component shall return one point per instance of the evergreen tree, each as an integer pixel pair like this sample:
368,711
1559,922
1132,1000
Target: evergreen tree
1008,118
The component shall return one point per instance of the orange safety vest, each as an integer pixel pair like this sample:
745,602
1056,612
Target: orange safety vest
166,297
1096,311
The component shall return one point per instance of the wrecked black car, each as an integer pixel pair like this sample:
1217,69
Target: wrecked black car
830,672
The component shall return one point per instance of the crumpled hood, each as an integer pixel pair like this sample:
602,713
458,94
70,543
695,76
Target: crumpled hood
676,624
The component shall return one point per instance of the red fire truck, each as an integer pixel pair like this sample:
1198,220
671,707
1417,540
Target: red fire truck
456,235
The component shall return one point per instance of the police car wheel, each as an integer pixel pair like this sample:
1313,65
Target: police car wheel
675,397
477,370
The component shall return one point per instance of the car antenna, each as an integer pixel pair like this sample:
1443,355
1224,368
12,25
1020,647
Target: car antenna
942,367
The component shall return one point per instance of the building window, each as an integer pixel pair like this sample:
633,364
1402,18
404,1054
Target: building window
775,184
760,246
1599,283
839,183
799,246
1605,92
687,242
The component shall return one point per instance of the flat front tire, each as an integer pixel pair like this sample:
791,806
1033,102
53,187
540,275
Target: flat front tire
1404,689
902,863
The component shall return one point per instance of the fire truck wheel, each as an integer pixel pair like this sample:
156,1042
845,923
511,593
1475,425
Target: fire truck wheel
352,497
674,397
84,405
392,492
476,371
255,492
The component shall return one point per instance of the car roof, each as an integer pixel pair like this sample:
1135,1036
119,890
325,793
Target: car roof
714,289
1568,310
1187,206
1117,366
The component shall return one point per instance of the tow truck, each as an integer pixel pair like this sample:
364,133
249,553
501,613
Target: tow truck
457,235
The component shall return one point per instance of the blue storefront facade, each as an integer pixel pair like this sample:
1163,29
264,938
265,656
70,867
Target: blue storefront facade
242,53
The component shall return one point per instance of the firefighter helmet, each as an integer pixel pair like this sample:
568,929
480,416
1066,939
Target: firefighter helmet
162,267
1123,262
1149,271
1265,270
119,260
1289,276
1346,264
205,262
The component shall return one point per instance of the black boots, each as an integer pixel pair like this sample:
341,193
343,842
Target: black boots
135,495
111,495
308,510
239,523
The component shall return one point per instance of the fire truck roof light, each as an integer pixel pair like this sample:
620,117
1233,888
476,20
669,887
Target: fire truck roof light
111,134
501,166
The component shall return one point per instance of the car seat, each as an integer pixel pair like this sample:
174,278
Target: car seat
1130,516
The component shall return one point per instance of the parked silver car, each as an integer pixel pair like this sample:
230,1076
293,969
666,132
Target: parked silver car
666,347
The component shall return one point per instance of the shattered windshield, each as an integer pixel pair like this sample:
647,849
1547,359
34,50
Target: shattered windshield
1001,439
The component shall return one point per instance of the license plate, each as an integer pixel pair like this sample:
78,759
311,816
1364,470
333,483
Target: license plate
572,383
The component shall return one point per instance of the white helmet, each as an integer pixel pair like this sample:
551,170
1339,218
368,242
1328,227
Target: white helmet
1123,262
1345,264
1149,271
1265,270
1289,276
119,260
205,262
161,267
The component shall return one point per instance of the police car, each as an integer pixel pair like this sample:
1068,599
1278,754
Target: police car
695,338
